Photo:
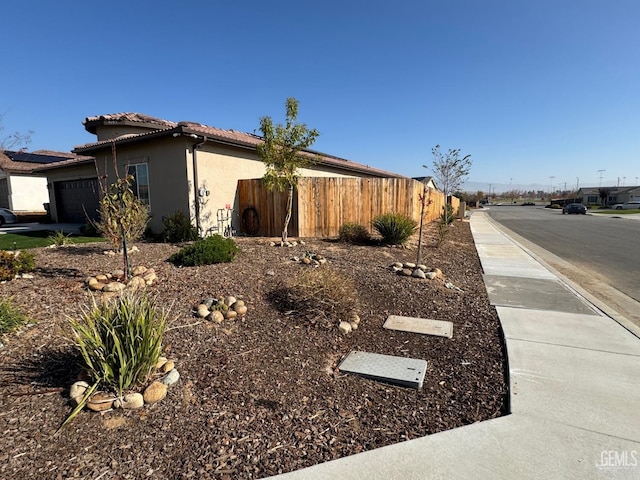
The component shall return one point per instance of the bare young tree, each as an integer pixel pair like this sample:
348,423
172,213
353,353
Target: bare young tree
13,140
280,153
449,169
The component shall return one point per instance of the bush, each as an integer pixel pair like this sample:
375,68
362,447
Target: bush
121,340
14,263
178,228
10,317
206,251
353,233
395,228
122,214
321,295
59,239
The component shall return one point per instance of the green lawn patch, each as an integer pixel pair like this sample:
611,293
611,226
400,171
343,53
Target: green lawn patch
39,238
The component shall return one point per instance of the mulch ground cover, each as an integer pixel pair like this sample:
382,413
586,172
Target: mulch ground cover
261,394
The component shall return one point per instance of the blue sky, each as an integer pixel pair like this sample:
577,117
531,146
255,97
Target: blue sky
531,89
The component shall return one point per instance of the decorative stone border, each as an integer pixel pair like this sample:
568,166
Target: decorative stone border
102,401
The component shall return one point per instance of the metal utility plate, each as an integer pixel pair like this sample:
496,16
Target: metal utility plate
425,326
406,372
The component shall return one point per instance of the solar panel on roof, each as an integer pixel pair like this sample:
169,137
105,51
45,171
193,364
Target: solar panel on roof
35,157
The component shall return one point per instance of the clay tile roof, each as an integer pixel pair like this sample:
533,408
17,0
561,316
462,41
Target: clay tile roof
232,137
90,123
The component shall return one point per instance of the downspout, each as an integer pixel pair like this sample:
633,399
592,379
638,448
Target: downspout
196,182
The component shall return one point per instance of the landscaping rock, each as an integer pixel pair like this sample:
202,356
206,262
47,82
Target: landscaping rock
77,391
345,327
405,272
139,270
216,316
100,401
409,265
171,378
202,311
130,401
118,274
417,273
430,275
96,286
155,392
161,361
136,283
114,287
168,366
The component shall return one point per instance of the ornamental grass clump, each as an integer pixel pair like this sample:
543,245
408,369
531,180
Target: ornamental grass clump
321,295
120,340
206,251
394,228
10,317
354,233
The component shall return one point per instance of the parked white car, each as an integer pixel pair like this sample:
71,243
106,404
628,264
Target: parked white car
627,206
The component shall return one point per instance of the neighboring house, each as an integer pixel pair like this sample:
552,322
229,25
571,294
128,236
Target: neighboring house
429,181
186,167
22,187
591,195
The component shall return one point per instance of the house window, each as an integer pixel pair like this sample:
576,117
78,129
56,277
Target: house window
140,174
593,199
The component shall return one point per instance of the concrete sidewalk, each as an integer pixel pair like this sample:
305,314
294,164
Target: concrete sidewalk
574,390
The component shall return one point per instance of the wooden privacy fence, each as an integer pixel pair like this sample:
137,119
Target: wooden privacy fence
321,205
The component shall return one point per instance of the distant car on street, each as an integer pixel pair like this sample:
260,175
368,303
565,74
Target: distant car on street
528,204
574,208
7,216
627,206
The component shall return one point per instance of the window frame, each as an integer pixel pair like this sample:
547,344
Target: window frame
136,185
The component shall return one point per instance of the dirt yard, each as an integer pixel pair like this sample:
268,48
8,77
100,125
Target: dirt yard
259,395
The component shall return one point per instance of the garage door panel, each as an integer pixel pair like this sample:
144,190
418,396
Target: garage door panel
76,200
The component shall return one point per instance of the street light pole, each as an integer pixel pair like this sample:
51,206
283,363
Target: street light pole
551,189
600,172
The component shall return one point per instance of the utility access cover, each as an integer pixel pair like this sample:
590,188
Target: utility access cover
406,372
425,326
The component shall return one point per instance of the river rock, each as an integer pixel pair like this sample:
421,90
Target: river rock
77,391
139,270
130,401
344,327
171,378
102,278
161,361
114,287
100,401
405,272
168,366
409,265
203,311
216,316
118,274
430,275
96,286
155,392
438,272
417,273
136,283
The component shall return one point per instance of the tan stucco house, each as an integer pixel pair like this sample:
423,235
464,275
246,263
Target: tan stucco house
23,188
185,166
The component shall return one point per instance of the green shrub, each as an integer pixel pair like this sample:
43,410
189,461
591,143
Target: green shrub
10,317
353,233
178,228
121,340
14,263
206,251
394,228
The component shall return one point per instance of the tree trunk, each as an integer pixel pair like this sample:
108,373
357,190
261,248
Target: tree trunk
288,217
422,202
